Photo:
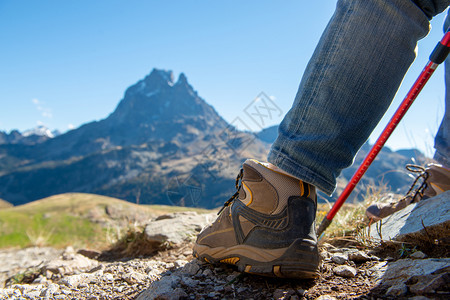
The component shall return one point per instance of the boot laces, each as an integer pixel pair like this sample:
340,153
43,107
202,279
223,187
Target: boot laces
419,185
238,185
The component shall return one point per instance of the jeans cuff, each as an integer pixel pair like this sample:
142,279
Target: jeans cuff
288,165
442,159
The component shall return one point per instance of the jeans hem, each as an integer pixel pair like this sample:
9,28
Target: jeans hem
288,165
442,159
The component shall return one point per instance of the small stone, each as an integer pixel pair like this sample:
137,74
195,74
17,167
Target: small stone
21,287
32,295
69,250
163,289
208,273
281,294
170,265
218,288
97,268
135,277
180,263
53,288
418,255
83,285
75,280
189,282
326,297
108,277
345,271
339,258
65,291
359,257
40,279
48,273
324,255
93,254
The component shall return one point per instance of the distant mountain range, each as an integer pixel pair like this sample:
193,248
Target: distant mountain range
162,144
29,137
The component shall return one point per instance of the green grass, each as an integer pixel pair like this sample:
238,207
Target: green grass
20,229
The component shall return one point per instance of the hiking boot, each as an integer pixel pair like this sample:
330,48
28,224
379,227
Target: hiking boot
267,227
431,181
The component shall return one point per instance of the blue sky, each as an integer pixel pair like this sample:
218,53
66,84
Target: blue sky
65,63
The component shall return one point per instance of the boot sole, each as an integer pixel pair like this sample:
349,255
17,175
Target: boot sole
299,260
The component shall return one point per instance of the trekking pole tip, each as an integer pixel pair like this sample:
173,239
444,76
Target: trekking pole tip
323,226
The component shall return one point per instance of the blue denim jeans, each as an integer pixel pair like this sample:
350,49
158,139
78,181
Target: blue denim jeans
348,85
442,139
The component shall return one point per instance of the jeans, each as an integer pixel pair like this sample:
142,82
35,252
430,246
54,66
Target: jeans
348,85
442,139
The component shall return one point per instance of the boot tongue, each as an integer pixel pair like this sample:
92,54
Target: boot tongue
250,171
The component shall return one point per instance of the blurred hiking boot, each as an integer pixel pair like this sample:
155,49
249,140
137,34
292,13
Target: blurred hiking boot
430,182
267,227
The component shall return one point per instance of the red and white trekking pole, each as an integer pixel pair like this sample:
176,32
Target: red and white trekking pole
439,54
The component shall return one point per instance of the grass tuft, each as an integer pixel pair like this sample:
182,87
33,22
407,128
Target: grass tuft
350,222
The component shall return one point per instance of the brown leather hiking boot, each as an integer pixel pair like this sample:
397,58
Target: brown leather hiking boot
266,228
431,181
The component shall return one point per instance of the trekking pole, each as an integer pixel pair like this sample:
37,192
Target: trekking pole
438,55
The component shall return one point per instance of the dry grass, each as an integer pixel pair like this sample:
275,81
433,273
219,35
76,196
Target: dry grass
349,223
4,204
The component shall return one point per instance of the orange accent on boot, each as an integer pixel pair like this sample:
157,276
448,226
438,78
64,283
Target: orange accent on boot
230,260
277,271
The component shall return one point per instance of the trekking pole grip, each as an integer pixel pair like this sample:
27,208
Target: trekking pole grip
441,50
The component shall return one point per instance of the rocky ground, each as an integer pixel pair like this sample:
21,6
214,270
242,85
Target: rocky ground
349,270
346,273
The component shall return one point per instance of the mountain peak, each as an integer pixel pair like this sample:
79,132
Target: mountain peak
182,79
160,76
157,101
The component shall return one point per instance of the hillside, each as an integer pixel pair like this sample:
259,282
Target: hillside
77,219
4,204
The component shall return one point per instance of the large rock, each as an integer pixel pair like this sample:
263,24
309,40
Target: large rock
418,276
427,219
13,261
70,262
177,227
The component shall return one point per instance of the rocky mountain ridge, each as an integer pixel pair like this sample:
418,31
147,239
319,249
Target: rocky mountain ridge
32,136
162,144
